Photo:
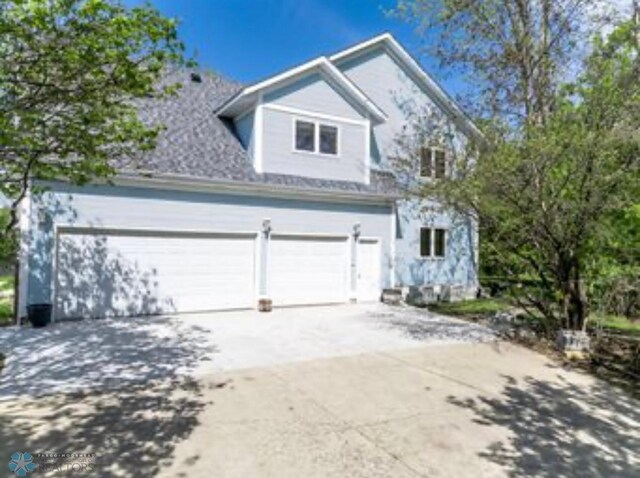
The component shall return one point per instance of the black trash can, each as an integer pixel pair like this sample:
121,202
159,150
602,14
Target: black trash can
39,314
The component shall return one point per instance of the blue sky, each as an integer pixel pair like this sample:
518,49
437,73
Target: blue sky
249,40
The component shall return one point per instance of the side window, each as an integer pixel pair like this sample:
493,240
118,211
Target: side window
305,136
441,164
425,162
425,242
433,163
440,239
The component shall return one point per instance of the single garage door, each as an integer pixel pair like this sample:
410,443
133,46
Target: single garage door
308,270
116,273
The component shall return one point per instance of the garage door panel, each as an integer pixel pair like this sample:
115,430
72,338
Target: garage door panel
308,270
115,274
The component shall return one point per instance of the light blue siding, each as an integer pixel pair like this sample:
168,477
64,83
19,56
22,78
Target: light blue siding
116,207
314,93
244,128
458,267
280,156
397,93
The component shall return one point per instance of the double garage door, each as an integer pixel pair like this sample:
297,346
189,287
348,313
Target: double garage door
116,273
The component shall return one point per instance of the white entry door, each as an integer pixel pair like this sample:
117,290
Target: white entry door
125,273
307,269
368,267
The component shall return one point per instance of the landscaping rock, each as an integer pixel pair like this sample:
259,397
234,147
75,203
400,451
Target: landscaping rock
392,296
573,341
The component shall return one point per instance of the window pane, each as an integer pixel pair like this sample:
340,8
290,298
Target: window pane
440,244
425,162
328,139
425,242
305,136
441,164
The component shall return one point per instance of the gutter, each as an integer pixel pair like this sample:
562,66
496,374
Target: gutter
190,183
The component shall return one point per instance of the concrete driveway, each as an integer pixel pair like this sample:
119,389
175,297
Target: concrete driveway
399,397
99,354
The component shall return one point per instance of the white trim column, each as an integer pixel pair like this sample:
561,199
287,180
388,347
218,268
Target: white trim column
353,286
263,259
24,222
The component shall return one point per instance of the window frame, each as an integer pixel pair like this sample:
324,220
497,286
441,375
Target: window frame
434,150
432,242
429,230
445,235
316,135
295,136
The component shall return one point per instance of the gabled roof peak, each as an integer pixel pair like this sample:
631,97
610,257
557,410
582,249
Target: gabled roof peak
396,50
250,94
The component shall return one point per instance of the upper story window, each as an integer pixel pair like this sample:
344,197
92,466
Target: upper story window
305,136
328,139
433,163
315,137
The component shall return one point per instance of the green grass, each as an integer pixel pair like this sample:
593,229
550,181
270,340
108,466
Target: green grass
6,311
471,307
6,283
616,323
6,303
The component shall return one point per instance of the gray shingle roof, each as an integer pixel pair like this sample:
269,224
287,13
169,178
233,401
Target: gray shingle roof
198,144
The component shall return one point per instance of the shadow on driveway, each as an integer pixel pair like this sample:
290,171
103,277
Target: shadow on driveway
132,431
560,429
99,354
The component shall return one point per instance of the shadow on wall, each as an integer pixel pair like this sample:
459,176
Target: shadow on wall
94,280
459,266
559,429
426,125
132,432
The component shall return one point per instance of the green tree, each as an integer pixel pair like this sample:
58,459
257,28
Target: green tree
546,194
514,53
71,72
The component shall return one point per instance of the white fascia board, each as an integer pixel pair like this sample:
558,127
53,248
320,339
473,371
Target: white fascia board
189,183
374,111
258,136
321,63
261,86
397,50
360,46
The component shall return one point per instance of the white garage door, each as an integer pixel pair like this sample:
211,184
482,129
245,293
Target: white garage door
115,273
308,270
368,264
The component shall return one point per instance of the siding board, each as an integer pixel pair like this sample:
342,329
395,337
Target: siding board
141,208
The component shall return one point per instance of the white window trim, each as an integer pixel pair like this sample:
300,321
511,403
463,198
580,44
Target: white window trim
316,131
434,149
432,251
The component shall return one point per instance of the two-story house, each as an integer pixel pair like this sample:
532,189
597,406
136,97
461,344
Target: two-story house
282,190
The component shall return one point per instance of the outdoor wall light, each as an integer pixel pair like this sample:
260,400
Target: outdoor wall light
266,225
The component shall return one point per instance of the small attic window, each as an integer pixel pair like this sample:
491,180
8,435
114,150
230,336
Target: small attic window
196,78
